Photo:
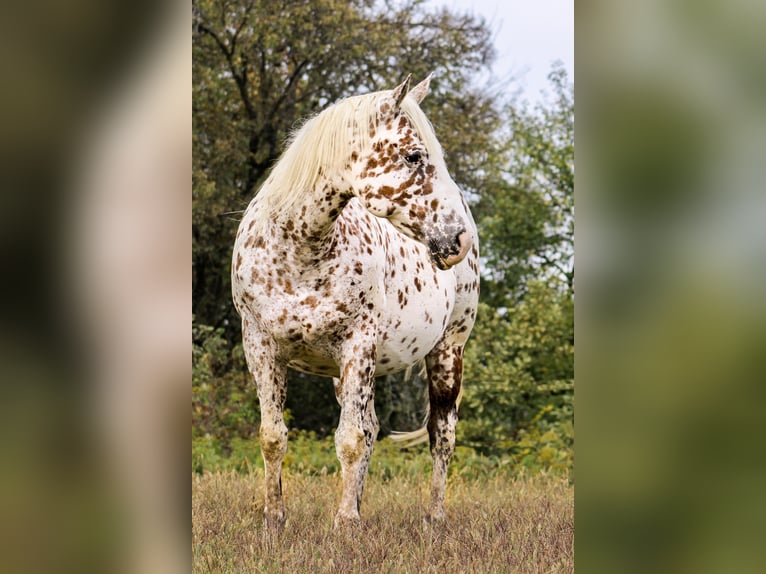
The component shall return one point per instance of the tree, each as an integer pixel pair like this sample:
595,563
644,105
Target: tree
519,363
526,216
519,376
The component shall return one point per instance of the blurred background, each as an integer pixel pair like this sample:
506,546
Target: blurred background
671,256
94,319
671,262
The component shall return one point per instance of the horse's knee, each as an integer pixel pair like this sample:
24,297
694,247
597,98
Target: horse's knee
444,395
445,370
273,441
350,444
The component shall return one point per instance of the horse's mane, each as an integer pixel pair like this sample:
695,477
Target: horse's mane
322,145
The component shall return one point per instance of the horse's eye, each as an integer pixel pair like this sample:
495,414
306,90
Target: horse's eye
414,157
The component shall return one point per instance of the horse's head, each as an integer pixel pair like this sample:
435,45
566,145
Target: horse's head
401,176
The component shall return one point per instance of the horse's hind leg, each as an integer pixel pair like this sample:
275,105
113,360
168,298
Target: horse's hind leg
445,373
371,428
357,429
271,380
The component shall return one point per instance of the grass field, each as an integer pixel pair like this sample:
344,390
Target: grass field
523,525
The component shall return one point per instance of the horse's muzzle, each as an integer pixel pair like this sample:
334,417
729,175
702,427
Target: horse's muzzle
447,254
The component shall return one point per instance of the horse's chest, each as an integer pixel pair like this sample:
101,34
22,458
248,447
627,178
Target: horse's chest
418,306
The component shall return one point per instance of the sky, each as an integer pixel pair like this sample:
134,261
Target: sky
529,35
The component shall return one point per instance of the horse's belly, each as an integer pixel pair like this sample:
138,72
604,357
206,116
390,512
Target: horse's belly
397,349
312,362
406,334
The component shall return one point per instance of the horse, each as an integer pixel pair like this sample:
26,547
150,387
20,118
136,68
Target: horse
358,257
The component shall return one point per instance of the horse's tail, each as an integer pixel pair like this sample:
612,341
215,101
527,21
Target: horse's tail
418,436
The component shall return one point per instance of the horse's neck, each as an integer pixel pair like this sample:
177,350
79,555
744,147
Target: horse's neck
306,228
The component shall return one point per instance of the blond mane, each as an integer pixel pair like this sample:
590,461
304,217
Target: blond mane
323,145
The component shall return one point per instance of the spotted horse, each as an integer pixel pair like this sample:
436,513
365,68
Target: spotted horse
357,258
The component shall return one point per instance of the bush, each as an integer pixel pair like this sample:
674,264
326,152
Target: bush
308,455
519,383
224,400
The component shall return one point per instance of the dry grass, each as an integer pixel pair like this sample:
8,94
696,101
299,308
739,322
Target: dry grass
496,525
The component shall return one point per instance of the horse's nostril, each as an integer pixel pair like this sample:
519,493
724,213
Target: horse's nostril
459,239
464,242
460,248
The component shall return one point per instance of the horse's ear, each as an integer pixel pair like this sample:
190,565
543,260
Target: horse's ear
400,91
419,92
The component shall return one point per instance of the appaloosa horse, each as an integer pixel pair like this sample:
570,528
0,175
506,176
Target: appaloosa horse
357,258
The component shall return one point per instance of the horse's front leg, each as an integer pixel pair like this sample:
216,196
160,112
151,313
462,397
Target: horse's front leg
358,426
445,374
271,380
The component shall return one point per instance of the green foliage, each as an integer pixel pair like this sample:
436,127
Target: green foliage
519,384
526,212
519,363
223,401
309,455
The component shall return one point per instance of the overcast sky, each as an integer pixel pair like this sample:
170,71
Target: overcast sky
529,36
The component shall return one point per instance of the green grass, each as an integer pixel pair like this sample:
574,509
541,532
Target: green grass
495,524
309,455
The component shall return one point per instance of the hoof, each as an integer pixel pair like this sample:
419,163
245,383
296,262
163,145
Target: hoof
344,522
434,518
274,522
